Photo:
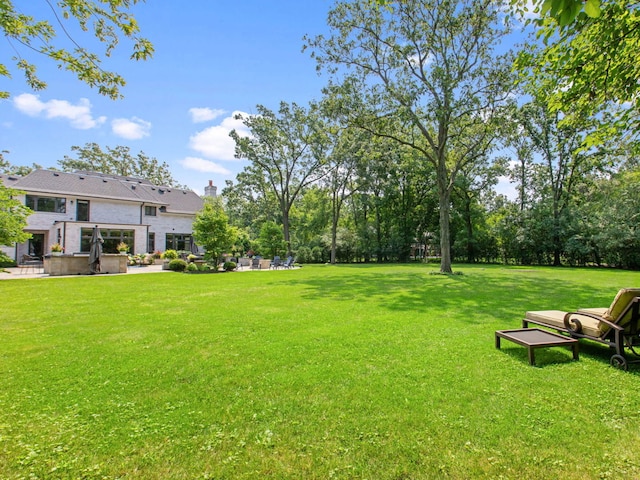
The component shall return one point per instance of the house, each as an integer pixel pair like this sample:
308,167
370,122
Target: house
66,207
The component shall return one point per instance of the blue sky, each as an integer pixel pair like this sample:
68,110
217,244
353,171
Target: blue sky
212,59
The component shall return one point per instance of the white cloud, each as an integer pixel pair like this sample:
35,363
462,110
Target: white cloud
79,115
131,129
199,115
414,60
215,142
202,165
527,11
507,188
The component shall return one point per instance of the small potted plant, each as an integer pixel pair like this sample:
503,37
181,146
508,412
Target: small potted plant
123,248
167,256
56,249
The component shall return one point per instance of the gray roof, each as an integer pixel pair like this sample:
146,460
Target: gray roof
98,185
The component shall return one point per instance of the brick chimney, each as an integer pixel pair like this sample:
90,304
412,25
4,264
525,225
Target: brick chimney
210,190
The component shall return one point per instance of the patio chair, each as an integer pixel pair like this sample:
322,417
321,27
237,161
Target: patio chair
30,264
255,263
275,263
288,263
616,326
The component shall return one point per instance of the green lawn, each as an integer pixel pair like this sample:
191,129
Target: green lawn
377,372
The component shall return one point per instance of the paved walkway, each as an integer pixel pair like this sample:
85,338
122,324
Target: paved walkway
16,273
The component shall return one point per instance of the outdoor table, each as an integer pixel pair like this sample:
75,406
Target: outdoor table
533,338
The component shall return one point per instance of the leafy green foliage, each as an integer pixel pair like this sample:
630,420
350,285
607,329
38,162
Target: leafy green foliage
109,21
271,239
170,254
212,231
13,217
287,152
118,161
588,67
178,265
429,70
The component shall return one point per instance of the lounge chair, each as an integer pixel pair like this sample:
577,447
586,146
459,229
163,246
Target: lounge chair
616,326
288,263
275,263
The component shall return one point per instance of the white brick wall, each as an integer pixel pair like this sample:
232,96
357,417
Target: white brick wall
106,213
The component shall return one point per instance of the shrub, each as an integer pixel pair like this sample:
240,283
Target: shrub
177,265
317,255
229,266
203,267
192,267
170,255
303,255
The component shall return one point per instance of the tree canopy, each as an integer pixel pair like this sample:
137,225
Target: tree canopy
118,161
430,66
287,151
109,21
589,61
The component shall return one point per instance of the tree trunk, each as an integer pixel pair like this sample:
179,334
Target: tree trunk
334,234
285,227
471,250
445,243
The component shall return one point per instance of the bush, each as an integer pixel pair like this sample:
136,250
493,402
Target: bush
177,265
6,261
303,255
170,255
229,266
192,267
317,255
203,267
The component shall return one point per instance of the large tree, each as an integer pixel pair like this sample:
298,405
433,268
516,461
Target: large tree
432,65
118,161
287,151
48,35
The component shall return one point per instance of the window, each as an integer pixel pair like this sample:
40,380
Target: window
149,211
82,210
46,204
178,241
111,239
151,242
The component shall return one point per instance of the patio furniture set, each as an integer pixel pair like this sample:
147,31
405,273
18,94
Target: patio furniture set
615,327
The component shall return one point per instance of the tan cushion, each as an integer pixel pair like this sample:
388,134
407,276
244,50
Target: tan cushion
555,318
619,303
600,313
594,311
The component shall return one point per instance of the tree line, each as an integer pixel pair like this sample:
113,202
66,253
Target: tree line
424,111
